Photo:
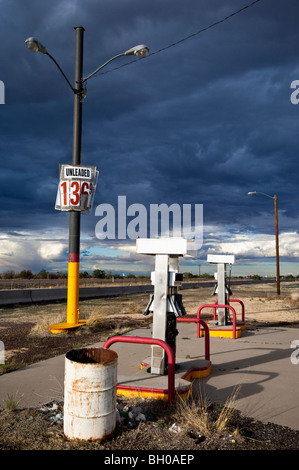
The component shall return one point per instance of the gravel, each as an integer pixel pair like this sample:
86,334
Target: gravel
161,428
148,426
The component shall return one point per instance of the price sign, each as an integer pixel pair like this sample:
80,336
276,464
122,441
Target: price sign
76,189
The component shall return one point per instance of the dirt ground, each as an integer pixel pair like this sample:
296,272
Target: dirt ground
27,340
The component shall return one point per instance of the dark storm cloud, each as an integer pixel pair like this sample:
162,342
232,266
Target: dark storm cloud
202,122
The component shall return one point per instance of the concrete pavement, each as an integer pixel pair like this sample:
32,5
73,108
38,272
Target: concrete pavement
262,362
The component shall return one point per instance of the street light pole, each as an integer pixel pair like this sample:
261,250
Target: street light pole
276,236
34,45
75,216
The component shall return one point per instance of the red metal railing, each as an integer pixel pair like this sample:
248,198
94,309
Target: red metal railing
233,300
220,306
205,326
158,342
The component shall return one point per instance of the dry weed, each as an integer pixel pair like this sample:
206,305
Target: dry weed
130,308
194,414
12,402
41,327
226,412
97,321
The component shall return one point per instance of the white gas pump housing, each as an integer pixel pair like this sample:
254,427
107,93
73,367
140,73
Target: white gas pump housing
165,303
221,261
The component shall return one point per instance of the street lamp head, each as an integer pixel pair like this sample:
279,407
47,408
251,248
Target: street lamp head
35,46
251,193
141,51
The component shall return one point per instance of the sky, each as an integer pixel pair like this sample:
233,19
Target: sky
209,115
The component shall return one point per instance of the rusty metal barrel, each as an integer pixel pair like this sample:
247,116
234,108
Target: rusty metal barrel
90,393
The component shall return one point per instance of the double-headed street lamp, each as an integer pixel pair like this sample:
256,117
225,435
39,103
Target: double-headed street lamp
74,222
276,235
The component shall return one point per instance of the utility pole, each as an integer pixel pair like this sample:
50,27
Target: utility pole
74,216
277,245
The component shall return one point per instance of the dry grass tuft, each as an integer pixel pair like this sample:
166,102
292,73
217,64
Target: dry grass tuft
97,321
222,422
130,308
194,413
41,327
12,402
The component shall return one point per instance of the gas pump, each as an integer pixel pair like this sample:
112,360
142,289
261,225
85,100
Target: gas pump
222,287
166,303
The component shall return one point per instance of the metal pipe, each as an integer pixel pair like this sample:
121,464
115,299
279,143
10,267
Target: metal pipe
233,300
220,306
60,69
158,342
206,328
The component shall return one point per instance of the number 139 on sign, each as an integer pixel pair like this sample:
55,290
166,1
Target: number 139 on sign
75,193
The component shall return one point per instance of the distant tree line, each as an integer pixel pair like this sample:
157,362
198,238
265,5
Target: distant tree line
101,274
96,274
43,274
28,274
287,277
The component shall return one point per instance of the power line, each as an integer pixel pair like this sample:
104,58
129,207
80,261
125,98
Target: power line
216,23
206,28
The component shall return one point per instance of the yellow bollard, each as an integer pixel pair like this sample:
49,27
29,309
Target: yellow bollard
73,294
73,312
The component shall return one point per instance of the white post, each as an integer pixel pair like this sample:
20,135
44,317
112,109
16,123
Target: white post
160,309
221,261
221,292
